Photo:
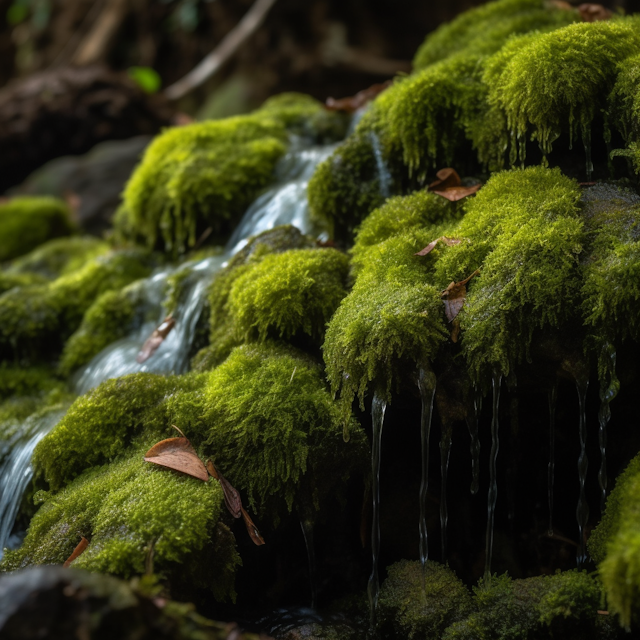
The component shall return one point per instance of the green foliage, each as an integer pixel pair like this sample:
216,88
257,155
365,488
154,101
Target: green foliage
146,78
542,98
28,221
287,293
523,232
483,30
406,611
36,320
10,280
625,98
21,381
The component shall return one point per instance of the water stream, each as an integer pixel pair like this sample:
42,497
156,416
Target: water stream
445,454
472,424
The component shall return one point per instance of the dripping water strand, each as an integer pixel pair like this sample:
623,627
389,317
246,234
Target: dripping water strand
445,453
307,531
553,398
609,387
582,510
427,386
378,409
496,382
472,424
384,176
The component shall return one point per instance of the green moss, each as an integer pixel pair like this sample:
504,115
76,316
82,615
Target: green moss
560,606
288,293
408,611
542,98
483,30
21,381
11,280
28,221
36,320
60,256
523,232
624,100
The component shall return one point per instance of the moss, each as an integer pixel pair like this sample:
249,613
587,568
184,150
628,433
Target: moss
11,280
624,101
542,98
28,221
21,381
288,293
523,232
125,508
560,606
268,421
36,320
60,256
483,30
408,611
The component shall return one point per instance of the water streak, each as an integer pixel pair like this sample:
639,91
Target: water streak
427,386
472,424
582,510
307,531
496,383
553,398
445,453
378,409
384,175
609,387
16,470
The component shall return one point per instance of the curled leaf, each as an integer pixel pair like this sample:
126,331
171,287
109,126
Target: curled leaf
177,454
590,12
449,186
155,340
80,547
432,245
454,296
252,529
353,103
232,499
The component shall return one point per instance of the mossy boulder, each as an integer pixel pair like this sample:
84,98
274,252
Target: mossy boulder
28,221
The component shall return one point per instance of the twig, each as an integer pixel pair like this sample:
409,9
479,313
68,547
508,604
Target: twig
229,45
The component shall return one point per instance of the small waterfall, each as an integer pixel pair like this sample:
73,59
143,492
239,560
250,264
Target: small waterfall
496,383
427,387
582,510
307,531
445,453
472,425
16,470
553,398
378,409
609,387
384,175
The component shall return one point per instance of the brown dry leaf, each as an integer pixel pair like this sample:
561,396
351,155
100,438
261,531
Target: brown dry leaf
454,296
353,103
432,245
155,340
252,529
453,194
447,178
594,12
177,454
81,546
232,498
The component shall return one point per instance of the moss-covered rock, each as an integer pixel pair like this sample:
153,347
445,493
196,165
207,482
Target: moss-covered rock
11,280
21,381
28,221
407,610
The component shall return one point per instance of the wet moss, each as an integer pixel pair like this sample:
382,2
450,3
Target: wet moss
11,280
408,611
28,221
289,293
624,100
21,381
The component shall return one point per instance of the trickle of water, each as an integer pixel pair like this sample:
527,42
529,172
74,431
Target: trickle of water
472,424
553,398
582,510
307,531
609,387
496,383
445,453
427,387
384,175
378,409
16,470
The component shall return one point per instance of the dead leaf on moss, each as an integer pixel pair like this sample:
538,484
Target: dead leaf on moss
449,186
252,529
177,454
594,12
353,103
450,242
454,296
80,547
155,340
232,498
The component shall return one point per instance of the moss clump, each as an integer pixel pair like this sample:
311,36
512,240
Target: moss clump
524,233
404,610
28,221
288,293
35,321
59,257
20,381
11,280
560,606
624,100
483,30
542,98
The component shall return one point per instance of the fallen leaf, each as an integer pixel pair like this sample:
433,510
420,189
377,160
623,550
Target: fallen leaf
432,245
454,296
594,12
252,529
353,103
177,454
453,194
449,186
232,498
155,340
81,546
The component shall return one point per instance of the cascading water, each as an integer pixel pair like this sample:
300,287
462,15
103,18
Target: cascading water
553,398
384,176
15,468
472,424
496,383
378,409
445,453
582,510
427,386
